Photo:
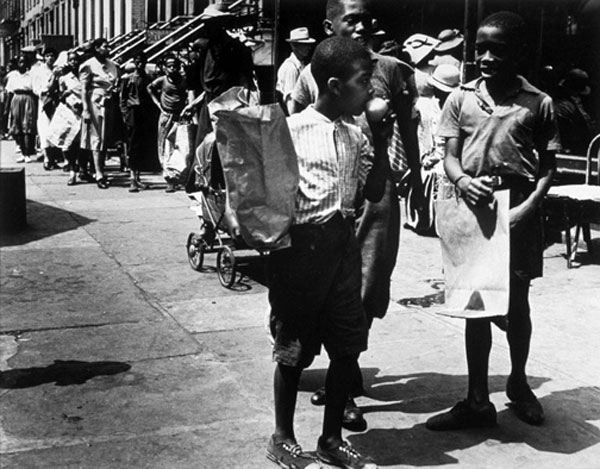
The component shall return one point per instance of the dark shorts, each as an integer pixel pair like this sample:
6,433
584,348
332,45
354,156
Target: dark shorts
526,240
314,292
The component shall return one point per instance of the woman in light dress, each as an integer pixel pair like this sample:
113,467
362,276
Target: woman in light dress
99,78
22,109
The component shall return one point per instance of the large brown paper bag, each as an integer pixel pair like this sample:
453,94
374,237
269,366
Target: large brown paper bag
476,255
261,172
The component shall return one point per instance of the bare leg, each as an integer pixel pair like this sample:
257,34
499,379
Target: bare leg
285,385
519,330
478,341
99,164
340,376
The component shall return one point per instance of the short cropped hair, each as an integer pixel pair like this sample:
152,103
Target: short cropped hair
171,57
335,57
334,7
511,23
98,42
50,50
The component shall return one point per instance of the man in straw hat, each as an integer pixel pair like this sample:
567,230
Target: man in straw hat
287,75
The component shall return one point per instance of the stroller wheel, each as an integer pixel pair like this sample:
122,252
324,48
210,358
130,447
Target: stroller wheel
195,251
226,267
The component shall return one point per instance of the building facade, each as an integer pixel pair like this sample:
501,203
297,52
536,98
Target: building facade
64,23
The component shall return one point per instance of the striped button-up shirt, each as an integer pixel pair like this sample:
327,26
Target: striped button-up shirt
333,159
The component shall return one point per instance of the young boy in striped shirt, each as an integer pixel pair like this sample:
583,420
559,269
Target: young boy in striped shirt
314,286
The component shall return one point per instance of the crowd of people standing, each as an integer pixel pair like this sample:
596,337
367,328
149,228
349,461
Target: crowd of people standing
353,170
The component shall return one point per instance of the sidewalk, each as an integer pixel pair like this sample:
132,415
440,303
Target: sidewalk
116,354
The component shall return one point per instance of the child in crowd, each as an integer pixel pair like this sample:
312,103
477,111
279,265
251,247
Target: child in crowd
169,92
501,125
332,156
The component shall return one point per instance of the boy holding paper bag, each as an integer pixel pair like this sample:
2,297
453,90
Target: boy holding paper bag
314,285
501,134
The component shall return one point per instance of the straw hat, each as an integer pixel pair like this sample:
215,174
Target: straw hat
300,36
445,77
449,39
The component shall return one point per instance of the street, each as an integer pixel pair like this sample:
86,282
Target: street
116,354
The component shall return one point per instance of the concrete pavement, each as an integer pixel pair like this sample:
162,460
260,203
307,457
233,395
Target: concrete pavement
115,354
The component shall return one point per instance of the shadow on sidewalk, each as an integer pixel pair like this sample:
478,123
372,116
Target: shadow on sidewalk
566,431
63,373
44,221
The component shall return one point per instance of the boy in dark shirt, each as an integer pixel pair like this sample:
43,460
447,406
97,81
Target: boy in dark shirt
501,125
170,93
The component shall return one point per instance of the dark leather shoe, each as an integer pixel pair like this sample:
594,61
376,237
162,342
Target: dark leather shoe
524,404
353,419
102,183
318,398
463,415
86,177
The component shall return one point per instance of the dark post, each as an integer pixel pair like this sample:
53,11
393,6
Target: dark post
13,208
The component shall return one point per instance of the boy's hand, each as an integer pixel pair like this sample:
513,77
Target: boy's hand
187,111
477,190
519,214
381,127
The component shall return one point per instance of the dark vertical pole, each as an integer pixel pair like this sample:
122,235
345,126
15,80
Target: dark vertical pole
538,54
275,45
467,34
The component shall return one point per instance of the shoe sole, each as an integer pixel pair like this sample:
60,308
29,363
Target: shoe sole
274,458
331,463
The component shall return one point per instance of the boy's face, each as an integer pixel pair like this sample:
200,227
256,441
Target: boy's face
50,58
354,21
171,67
356,90
495,53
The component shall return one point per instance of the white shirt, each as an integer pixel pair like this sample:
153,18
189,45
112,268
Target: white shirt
330,156
288,74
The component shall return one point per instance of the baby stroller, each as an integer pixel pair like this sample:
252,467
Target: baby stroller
206,188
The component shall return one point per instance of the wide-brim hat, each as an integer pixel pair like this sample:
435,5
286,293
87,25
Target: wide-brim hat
300,36
216,10
445,77
449,39
29,49
419,46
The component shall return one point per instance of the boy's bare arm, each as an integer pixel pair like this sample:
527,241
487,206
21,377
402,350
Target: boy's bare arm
474,190
377,177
